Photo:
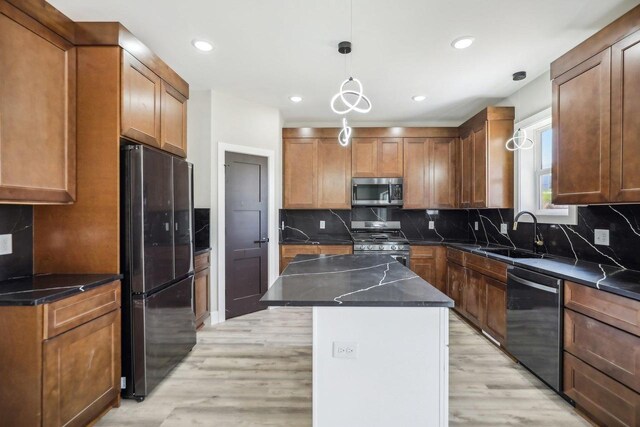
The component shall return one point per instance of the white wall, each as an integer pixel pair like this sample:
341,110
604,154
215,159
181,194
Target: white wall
199,145
229,120
532,98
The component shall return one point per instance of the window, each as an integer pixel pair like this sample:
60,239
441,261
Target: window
533,174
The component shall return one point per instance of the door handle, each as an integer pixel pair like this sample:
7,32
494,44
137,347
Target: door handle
263,240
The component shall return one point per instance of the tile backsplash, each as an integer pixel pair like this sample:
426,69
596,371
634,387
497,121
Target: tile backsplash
570,241
17,220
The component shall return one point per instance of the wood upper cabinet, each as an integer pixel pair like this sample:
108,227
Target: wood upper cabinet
417,179
334,175
464,170
485,176
364,158
581,132
390,157
625,126
37,112
443,173
429,173
173,120
300,167
317,174
141,92
377,157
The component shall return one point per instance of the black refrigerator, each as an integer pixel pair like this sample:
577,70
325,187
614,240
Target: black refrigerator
158,323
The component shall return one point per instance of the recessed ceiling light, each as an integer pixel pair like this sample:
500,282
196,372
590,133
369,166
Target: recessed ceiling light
202,45
295,98
419,98
462,42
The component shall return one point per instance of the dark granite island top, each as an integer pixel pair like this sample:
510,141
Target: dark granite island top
352,280
45,288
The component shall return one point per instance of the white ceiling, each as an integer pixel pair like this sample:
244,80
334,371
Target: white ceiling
267,50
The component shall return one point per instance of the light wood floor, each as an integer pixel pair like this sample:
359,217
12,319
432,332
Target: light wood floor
256,371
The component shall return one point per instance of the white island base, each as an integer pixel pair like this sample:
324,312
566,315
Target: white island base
393,369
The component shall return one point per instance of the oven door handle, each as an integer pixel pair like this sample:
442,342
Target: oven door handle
531,284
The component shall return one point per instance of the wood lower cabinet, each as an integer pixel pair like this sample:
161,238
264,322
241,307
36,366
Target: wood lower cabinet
37,112
289,252
495,312
377,157
62,374
602,354
202,289
173,120
603,399
317,174
429,262
480,291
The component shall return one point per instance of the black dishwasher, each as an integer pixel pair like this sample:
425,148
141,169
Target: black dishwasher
534,323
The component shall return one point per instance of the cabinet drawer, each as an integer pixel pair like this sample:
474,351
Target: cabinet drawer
606,400
202,261
491,268
612,351
66,314
290,251
455,255
335,249
621,312
423,251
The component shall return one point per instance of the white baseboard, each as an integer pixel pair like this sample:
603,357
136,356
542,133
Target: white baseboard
214,318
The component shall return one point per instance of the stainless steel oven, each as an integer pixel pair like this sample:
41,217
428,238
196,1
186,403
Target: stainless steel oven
534,323
376,192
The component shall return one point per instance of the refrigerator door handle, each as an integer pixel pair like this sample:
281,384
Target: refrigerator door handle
166,226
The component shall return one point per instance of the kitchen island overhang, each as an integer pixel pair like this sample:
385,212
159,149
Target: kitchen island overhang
380,339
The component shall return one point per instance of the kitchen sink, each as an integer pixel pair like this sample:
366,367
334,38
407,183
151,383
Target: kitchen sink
512,253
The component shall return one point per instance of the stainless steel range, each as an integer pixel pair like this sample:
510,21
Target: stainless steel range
376,237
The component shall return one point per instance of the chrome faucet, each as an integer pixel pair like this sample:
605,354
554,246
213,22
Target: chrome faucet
537,242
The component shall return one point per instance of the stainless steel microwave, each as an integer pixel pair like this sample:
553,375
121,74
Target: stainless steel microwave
376,192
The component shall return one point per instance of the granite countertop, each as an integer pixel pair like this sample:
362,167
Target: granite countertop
45,288
608,278
198,251
352,280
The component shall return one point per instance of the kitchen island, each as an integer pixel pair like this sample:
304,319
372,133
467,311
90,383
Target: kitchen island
380,339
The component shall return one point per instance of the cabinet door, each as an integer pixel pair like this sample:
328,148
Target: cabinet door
442,172
37,113
364,158
334,175
201,287
581,132
81,372
425,268
173,120
289,252
625,126
140,110
466,160
390,157
495,312
479,168
416,173
474,294
300,174
456,277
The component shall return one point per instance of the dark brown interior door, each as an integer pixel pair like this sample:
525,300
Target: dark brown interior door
246,234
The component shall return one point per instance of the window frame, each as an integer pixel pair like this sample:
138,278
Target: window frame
528,171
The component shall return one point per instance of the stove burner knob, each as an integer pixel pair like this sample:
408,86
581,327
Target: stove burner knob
369,247
395,248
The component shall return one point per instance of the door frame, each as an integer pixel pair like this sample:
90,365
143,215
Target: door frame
272,209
